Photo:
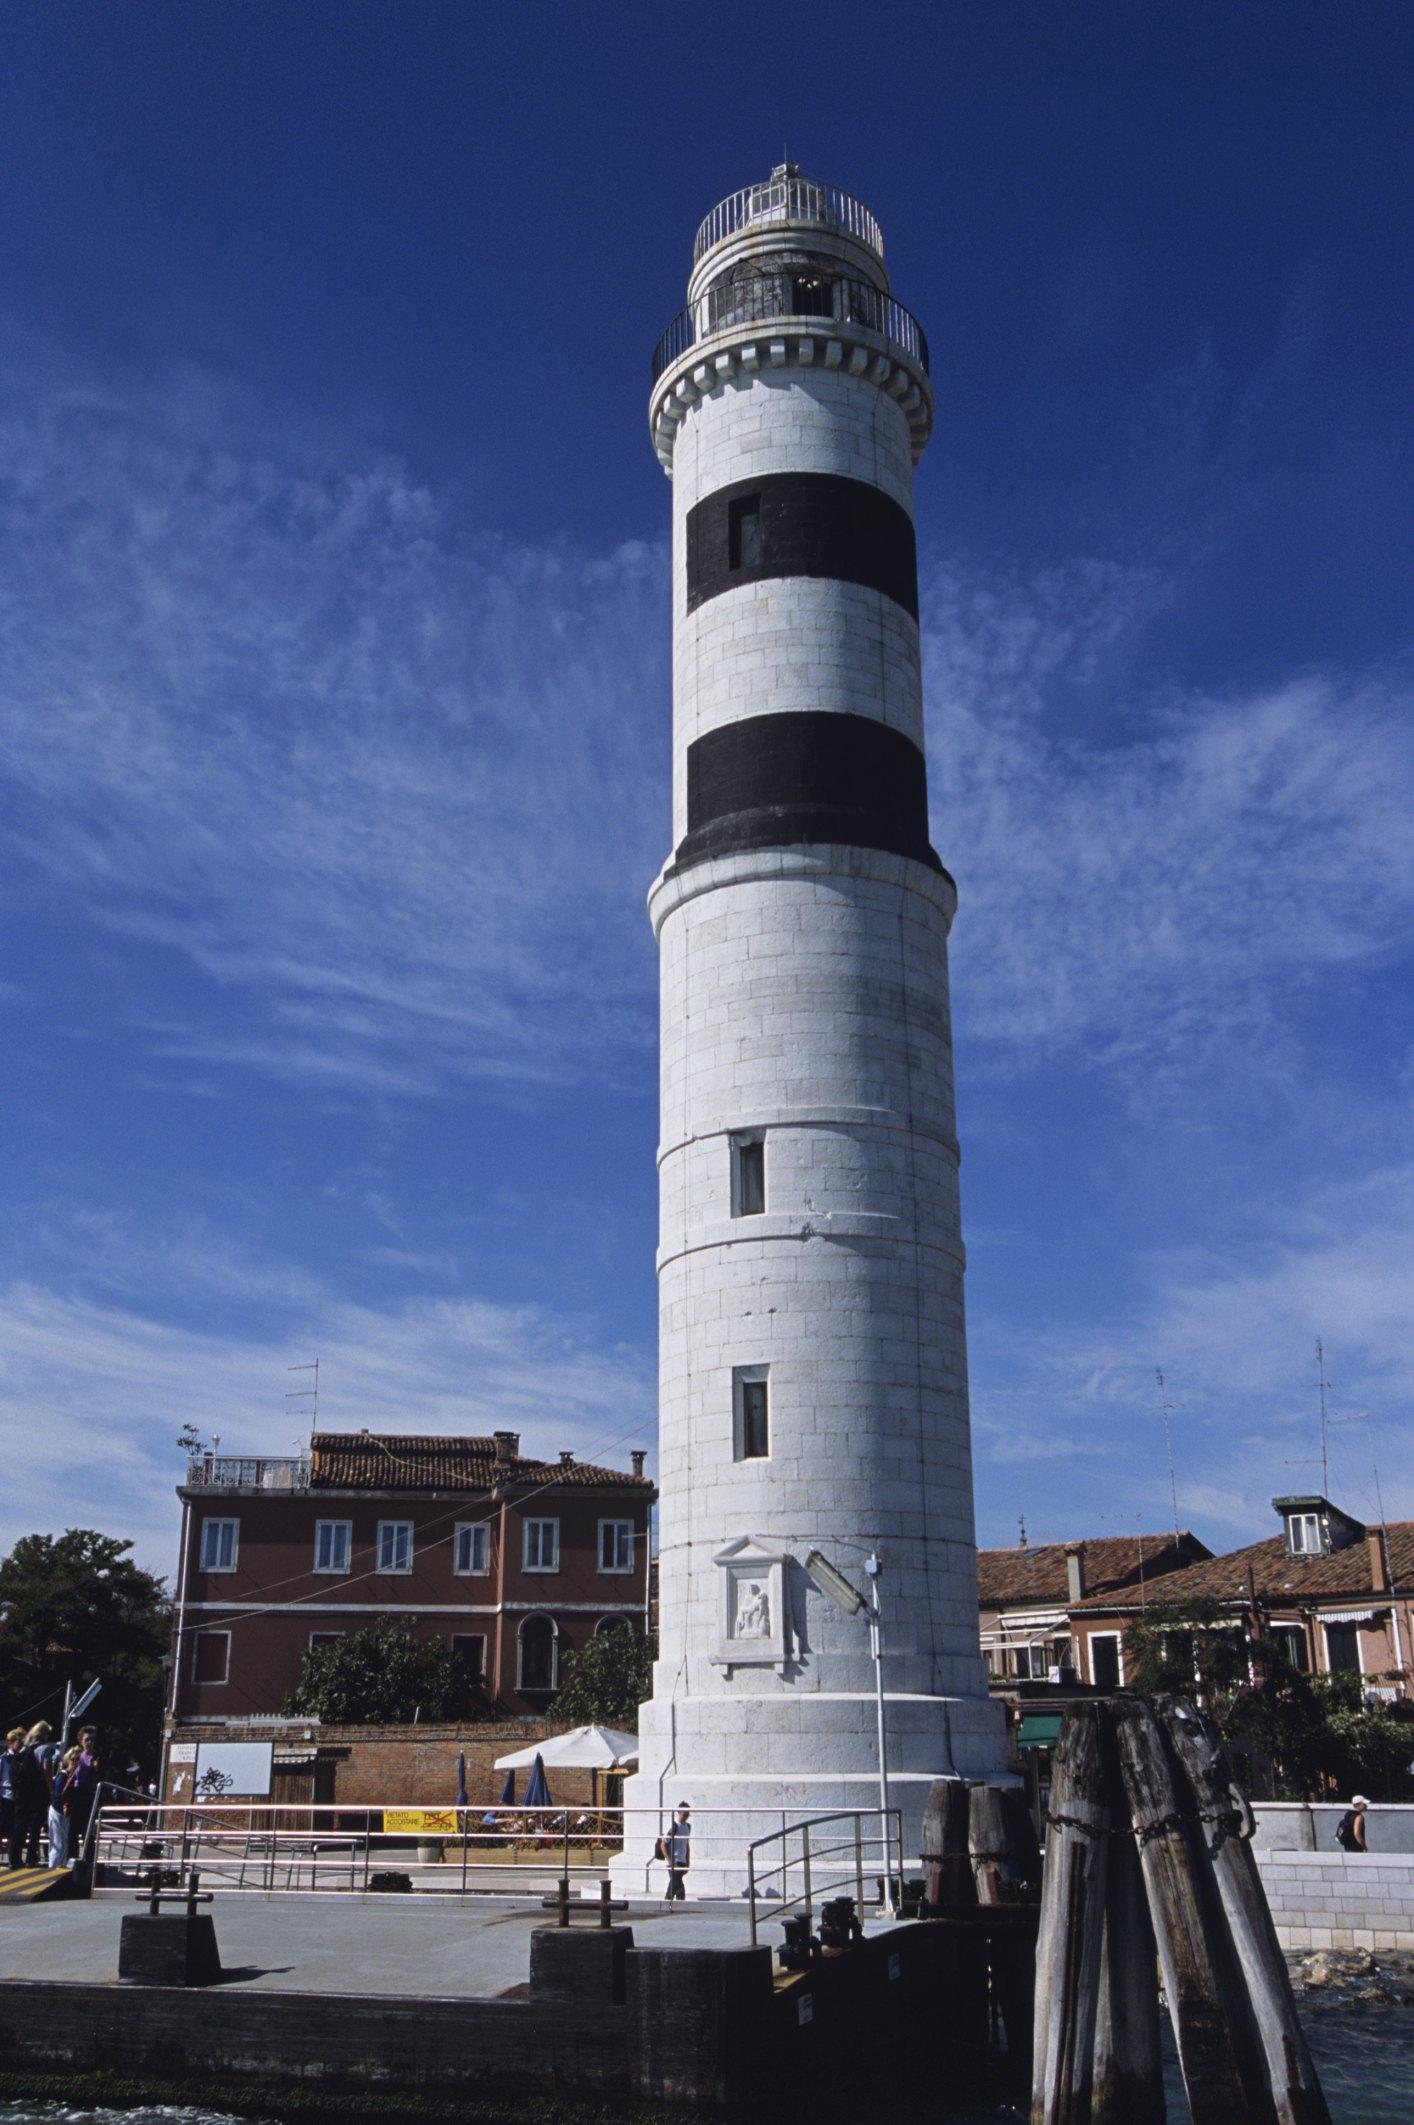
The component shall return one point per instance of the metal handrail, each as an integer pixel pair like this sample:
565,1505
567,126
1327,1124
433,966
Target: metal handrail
813,1852
248,1472
783,198
771,297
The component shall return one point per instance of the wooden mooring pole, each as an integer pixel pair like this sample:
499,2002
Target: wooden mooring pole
1222,1831
1128,2076
1072,1920
1148,1856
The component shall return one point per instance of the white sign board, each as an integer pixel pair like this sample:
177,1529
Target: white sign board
231,1770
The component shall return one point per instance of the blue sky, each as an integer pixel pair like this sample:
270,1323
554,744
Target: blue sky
335,714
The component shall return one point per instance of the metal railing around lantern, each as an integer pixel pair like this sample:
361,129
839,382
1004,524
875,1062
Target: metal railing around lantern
791,297
789,198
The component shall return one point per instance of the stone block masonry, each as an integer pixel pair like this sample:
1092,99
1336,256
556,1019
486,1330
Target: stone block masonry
1340,1900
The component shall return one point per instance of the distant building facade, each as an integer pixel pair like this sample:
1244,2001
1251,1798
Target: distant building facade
513,1561
1329,1593
1029,1597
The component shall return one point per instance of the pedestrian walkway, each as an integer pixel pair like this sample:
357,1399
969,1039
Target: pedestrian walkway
427,1947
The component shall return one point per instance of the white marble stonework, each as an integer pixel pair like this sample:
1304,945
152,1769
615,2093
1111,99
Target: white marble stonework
804,994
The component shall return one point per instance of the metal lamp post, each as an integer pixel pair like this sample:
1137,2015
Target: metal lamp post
822,1574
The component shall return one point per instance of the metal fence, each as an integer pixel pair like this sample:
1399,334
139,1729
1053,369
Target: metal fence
269,1846
791,297
787,199
791,1868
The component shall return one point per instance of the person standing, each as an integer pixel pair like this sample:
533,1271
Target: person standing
28,1795
677,1850
81,1790
13,1740
58,1820
1350,1830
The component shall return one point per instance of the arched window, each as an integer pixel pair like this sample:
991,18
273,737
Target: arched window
538,1647
611,1623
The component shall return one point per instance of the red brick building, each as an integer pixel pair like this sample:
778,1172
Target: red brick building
515,1561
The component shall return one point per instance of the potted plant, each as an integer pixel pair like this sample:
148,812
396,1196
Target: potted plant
429,1851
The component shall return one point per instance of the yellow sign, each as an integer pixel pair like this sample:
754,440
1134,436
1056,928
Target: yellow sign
418,1822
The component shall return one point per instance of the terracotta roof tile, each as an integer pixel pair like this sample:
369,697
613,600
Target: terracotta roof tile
1037,1576
361,1460
1280,1580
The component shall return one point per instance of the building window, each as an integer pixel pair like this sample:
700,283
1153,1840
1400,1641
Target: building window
752,1424
1289,1644
542,1545
744,531
395,1545
811,295
611,1623
472,1647
472,1549
219,1540
211,1656
748,1176
1105,1662
318,1638
616,1545
1304,1531
1343,1648
331,1545
537,1647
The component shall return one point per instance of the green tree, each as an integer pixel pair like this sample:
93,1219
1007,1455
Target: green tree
607,1680
75,1608
1191,1649
381,1676
1323,1738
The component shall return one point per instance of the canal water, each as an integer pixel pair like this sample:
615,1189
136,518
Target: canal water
1365,2057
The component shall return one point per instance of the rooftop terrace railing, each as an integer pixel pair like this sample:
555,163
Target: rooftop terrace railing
240,1472
787,297
788,198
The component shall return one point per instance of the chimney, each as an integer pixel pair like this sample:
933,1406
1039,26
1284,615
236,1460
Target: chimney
507,1447
566,1459
1075,1571
1379,1577
638,1457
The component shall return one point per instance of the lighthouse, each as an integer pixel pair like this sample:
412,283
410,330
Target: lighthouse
813,1373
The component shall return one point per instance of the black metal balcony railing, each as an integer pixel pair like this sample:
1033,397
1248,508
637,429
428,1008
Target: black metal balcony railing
790,296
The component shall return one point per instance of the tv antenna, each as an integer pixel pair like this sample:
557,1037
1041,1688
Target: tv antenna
1325,1421
1168,1441
1362,1416
306,1394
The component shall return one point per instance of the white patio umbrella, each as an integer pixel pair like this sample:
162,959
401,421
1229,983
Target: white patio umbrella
582,1749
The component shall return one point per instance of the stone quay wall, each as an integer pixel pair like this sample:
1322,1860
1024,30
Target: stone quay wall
1340,1899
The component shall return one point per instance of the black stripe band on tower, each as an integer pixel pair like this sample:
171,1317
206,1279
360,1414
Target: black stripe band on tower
801,524
775,781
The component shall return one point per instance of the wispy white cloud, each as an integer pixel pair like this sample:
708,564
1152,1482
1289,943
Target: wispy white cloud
107,1389
396,792
1233,1328
1182,876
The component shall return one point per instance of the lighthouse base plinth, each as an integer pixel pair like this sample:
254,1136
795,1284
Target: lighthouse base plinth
751,1766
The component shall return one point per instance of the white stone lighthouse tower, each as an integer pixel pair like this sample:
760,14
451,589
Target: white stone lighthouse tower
813,1376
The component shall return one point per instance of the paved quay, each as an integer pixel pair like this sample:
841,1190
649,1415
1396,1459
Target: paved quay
430,1947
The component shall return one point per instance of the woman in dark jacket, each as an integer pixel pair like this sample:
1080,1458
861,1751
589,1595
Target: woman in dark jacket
29,1794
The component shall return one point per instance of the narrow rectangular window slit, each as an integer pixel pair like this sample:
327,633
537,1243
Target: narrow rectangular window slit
751,1415
748,1176
744,531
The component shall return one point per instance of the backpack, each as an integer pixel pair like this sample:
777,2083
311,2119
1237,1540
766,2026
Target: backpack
1345,1832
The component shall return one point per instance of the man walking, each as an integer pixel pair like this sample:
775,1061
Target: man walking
678,1853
